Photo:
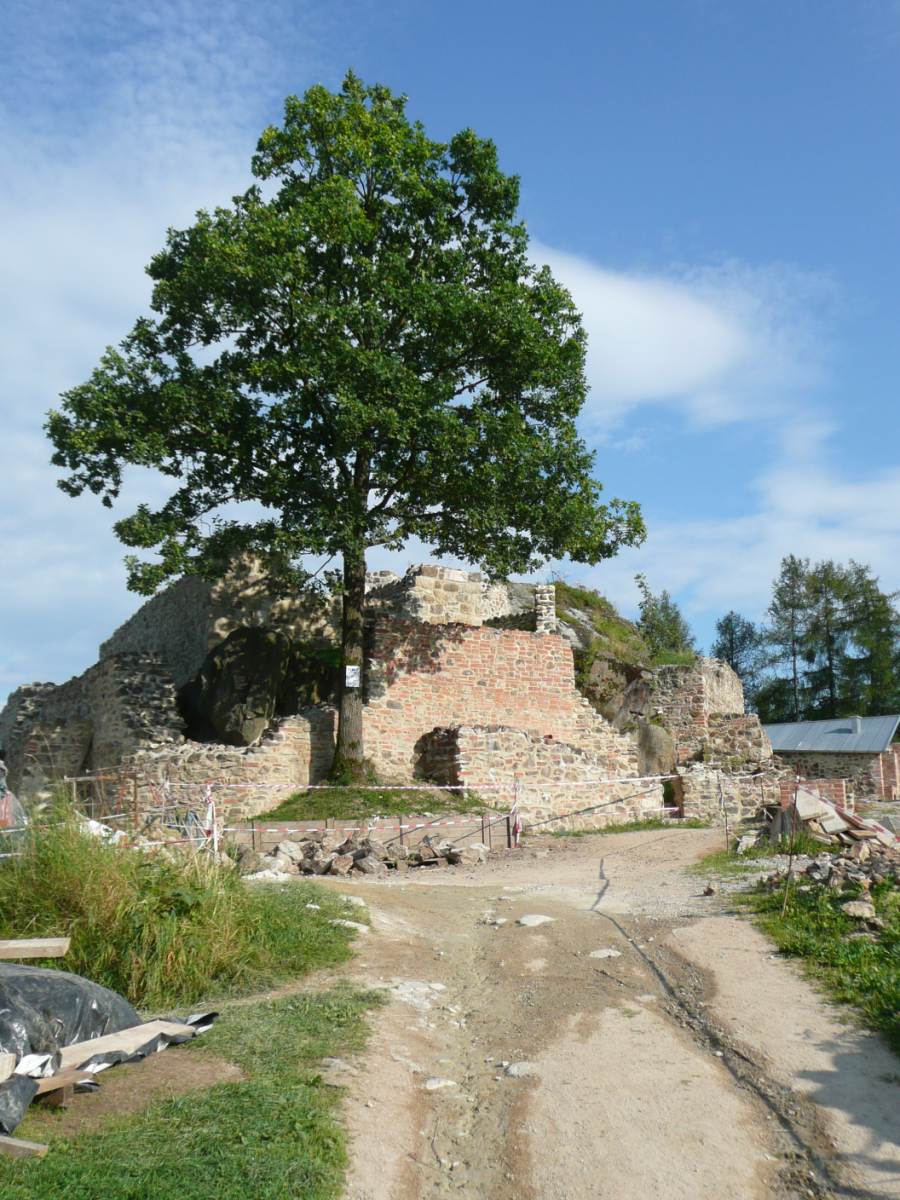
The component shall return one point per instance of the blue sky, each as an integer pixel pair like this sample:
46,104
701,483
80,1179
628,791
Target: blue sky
716,181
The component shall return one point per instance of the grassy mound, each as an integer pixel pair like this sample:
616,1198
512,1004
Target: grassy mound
163,933
354,803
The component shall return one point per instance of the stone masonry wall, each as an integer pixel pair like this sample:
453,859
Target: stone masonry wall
741,797
123,703
185,621
686,697
424,676
863,772
247,781
554,777
438,595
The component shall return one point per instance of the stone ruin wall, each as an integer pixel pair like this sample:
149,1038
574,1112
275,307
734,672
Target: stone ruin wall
864,773
121,704
295,753
424,677
554,778
511,691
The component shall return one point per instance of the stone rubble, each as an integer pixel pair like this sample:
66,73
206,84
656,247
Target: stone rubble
331,854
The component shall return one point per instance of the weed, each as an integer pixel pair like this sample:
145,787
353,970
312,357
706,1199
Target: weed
163,932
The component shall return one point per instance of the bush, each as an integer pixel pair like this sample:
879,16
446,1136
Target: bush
163,932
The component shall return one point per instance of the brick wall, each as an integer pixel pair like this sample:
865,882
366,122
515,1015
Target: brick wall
832,790
890,773
554,777
424,676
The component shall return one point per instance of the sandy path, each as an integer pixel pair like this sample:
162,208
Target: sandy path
691,1063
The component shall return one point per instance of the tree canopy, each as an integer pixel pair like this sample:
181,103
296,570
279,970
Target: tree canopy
356,351
830,646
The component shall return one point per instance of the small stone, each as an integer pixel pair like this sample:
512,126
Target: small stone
436,1084
710,889
605,954
357,925
859,910
521,1070
532,920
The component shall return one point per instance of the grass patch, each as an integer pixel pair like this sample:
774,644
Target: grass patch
634,827
729,862
163,933
275,1135
356,802
858,972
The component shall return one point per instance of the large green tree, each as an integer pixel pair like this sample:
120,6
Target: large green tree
357,351
789,619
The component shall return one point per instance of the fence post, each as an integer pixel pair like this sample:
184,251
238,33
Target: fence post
723,808
256,844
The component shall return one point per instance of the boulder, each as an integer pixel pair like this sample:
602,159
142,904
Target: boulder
233,699
369,865
859,910
292,850
342,864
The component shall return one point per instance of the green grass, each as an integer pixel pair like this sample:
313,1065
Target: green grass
863,974
275,1135
163,933
356,802
633,827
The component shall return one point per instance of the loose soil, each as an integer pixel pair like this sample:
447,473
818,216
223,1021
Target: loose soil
694,1063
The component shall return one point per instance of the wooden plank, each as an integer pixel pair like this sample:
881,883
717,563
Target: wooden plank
34,948
18,1148
62,1079
7,1066
58,1098
127,1040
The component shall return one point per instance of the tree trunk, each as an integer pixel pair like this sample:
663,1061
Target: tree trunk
350,758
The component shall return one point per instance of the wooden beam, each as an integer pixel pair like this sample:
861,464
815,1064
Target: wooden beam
127,1040
34,948
18,1148
57,1098
62,1079
7,1066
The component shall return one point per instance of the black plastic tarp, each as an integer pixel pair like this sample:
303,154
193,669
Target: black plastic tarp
41,1011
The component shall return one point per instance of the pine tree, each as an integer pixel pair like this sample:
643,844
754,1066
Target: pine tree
786,633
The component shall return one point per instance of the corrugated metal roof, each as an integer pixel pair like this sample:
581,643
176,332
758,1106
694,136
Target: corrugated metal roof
845,735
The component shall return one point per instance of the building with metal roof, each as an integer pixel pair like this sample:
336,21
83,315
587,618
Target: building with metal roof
859,750
842,735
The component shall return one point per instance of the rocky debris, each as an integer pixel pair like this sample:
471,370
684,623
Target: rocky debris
436,1084
532,920
332,854
860,865
606,953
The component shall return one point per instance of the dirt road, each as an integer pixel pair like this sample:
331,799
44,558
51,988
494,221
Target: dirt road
643,1042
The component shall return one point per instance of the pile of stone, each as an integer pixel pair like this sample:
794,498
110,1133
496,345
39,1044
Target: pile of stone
330,853
861,865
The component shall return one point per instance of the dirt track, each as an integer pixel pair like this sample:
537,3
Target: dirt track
693,1063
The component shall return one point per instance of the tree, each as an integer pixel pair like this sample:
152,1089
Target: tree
357,351
789,615
870,675
739,643
661,623
826,636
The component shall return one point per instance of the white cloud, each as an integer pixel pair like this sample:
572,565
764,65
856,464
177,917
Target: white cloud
721,344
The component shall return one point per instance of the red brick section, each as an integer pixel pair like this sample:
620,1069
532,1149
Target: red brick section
890,773
834,791
423,676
